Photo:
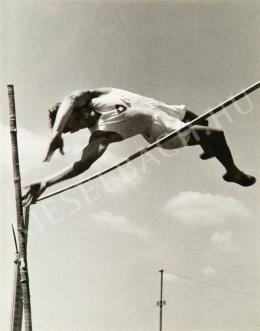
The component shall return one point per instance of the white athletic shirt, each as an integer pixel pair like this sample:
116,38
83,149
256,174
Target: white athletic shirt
129,114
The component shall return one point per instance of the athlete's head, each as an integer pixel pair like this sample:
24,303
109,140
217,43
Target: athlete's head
80,118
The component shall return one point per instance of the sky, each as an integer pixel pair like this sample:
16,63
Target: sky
94,252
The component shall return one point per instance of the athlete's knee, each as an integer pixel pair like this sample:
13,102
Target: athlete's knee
218,132
215,134
195,136
199,134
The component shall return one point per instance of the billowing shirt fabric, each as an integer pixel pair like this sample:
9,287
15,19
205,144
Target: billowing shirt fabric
129,114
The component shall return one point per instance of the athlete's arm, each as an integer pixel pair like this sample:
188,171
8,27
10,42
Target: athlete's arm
75,99
96,147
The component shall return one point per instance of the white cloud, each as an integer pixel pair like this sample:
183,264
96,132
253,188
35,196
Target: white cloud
224,241
118,223
31,147
208,271
204,209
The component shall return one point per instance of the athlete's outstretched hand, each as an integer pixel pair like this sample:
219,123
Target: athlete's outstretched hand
56,143
33,193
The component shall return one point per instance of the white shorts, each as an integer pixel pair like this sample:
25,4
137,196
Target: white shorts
166,123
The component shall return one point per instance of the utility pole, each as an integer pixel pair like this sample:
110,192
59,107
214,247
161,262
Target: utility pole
161,303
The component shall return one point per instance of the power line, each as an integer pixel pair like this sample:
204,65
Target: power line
215,286
218,303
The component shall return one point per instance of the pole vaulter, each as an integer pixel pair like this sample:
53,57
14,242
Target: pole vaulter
171,135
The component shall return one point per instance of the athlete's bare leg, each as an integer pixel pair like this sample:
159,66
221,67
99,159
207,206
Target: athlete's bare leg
205,145
201,135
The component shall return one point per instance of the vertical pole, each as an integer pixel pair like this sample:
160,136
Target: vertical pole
161,303
24,278
17,304
161,297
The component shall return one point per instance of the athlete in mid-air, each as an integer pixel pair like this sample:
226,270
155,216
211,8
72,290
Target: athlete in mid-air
113,115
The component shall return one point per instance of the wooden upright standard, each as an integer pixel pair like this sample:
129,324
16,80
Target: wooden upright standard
22,236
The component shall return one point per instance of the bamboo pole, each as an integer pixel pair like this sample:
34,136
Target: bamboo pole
17,303
24,278
26,222
171,135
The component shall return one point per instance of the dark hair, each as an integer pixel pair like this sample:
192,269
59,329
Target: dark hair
53,113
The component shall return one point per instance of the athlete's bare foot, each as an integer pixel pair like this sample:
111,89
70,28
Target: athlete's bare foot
240,179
